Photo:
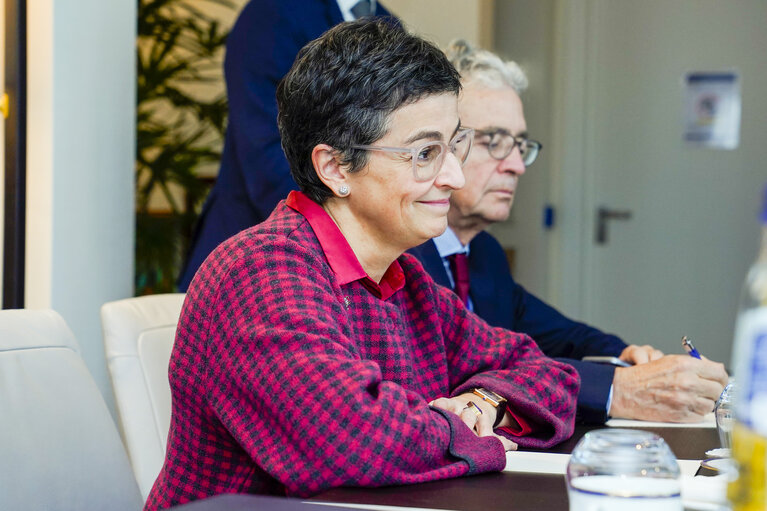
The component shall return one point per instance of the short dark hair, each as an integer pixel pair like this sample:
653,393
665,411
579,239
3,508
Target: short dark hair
344,85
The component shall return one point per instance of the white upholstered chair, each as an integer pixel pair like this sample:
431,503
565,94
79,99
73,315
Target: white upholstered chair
138,339
59,447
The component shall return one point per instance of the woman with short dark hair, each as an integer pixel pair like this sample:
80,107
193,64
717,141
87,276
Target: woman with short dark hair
311,353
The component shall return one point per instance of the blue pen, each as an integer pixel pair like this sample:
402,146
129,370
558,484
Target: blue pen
689,348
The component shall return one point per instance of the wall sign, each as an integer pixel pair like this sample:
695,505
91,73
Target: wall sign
712,110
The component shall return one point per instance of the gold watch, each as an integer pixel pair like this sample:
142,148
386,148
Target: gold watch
498,402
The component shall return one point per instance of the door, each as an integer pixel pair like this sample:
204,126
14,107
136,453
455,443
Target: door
3,101
685,218
12,152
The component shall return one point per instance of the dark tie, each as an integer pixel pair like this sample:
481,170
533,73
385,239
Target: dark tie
459,265
363,8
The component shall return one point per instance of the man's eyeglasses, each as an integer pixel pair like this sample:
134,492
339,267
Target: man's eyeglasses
428,158
500,144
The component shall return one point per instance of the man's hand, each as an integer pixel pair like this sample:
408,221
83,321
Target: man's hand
481,424
634,354
673,388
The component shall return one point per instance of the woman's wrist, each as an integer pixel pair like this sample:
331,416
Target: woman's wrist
496,401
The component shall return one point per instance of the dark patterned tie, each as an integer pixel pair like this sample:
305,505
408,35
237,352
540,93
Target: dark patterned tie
459,265
363,8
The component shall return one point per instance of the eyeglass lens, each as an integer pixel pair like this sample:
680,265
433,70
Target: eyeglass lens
501,145
430,156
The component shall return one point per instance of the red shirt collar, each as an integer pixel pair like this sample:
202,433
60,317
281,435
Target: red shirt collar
339,254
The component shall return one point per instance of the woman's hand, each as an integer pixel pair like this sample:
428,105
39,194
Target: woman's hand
480,423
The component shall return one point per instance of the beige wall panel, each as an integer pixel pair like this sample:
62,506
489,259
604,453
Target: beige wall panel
444,20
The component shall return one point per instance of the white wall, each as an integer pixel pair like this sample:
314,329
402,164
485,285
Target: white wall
443,20
81,137
524,33
565,47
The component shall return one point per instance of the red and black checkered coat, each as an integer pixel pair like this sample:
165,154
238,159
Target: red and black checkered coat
285,381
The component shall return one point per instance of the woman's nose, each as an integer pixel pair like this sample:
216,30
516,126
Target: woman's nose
451,173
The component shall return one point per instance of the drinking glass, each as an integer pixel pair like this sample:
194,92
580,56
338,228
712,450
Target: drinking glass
724,416
623,469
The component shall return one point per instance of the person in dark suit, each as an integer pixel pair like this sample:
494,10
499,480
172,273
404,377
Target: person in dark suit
675,388
254,174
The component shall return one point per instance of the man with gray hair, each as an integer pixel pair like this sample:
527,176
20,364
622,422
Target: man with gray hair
469,260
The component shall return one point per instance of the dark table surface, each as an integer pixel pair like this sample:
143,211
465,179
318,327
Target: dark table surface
244,502
687,443
509,490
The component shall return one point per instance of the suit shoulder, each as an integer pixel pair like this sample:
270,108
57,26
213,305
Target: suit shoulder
485,248
485,241
410,262
423,250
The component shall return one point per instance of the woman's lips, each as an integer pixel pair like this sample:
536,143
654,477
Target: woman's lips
438,203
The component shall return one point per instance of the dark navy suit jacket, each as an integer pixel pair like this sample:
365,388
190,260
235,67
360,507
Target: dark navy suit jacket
254,174
500,301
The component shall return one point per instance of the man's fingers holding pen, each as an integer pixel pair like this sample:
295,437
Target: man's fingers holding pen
704,368
640,354
676,388
713,371
708,389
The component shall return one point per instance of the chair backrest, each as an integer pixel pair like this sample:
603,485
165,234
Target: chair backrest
138,339
59,447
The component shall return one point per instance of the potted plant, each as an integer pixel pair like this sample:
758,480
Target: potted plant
180,126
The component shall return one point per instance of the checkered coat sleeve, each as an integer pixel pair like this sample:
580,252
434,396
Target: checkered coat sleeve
539,389
285,381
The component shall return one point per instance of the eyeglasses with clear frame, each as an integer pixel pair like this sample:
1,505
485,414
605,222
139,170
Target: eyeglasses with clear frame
428,158
500,144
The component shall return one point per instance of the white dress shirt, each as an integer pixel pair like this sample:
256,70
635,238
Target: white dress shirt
346,8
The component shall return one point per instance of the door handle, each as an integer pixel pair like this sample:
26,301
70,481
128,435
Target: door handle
605,214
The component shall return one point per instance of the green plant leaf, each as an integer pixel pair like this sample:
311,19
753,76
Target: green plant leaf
178,47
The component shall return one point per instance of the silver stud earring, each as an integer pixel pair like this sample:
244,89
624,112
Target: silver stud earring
343,191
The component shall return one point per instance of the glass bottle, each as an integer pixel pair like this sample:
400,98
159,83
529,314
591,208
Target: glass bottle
749,441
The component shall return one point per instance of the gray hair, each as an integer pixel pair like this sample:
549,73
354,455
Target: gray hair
485,67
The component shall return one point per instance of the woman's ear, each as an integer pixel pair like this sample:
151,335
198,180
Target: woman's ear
329,169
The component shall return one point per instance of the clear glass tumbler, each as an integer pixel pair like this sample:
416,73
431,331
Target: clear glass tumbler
723,411
623,469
